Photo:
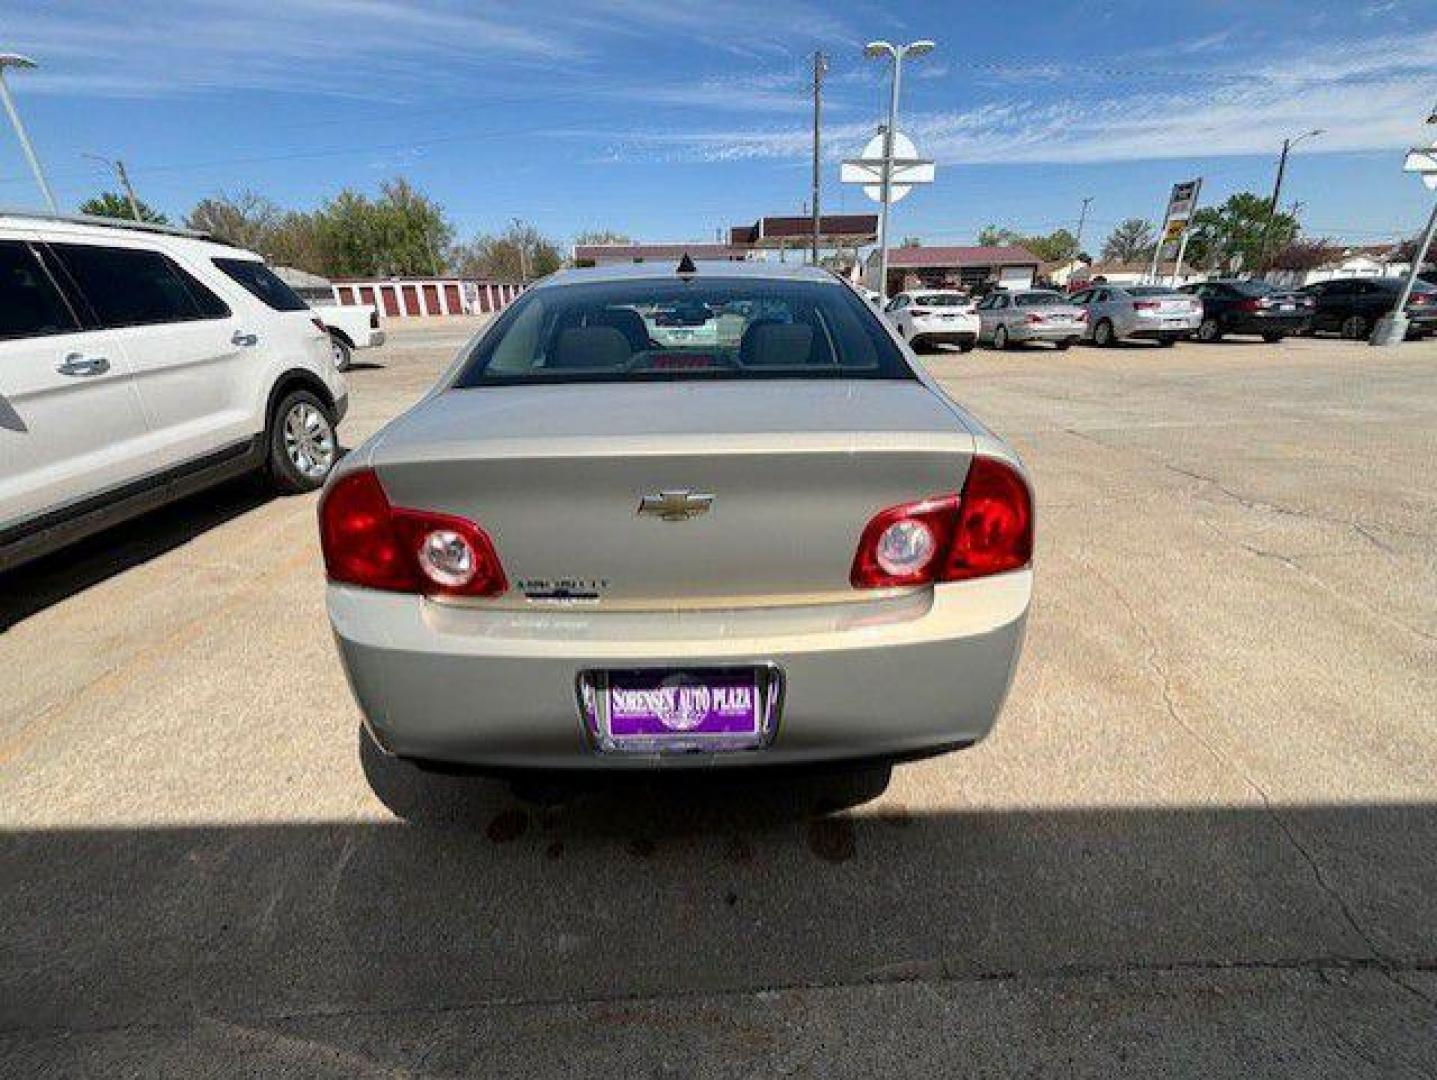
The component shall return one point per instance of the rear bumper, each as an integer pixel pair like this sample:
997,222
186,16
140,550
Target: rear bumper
1030,332
374,339
944,337
894,676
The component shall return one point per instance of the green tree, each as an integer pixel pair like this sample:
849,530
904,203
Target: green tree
992,236
1131,241
520,253
112,204
1236,228
401,232
603,236
1057,246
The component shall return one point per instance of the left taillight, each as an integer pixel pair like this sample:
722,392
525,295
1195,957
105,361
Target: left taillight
369,542
986,529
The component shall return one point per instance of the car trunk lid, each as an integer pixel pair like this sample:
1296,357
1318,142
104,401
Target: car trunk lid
557,476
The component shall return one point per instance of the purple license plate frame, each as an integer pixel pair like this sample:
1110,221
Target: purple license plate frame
680,710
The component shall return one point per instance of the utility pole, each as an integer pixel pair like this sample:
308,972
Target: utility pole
124,178
820,68
129,189
14,60
1082,220
1287,145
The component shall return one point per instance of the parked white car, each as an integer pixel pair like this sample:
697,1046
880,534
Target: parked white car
934,317
139,364
1154,312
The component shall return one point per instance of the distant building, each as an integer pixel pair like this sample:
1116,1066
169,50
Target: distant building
417,297
1363,261
1132,274
973,268
842,234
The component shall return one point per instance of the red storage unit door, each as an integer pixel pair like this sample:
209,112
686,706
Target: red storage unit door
411,299
346,294
366,295
391,301
451,296
431,299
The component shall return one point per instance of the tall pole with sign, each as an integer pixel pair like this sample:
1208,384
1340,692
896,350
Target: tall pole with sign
1187,222
877,50
1175,223
1391,329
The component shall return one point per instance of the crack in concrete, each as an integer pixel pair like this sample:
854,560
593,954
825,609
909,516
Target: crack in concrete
1319,966
1164,681
1361,528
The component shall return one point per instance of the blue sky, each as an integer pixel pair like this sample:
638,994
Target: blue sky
668,119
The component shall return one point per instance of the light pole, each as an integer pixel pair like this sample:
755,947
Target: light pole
119,167
1391,329
820,68
877,50
14,60
1287,145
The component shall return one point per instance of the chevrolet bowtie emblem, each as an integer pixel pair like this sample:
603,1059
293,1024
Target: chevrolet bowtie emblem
675,505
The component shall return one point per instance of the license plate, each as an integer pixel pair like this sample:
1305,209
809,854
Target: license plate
1286,307
649,711
1175,322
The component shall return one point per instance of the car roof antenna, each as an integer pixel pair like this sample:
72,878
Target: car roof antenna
686,265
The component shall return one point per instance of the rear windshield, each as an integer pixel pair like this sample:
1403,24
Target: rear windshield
941,300
671,329
1038,299
1254,288
1149,290
259,280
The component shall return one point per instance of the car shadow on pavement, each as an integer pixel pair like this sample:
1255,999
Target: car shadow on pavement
333,948
33,587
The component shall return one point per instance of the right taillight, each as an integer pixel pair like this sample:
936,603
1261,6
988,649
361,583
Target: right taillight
370,543
986,529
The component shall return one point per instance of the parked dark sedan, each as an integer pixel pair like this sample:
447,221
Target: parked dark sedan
1352,306
1249,307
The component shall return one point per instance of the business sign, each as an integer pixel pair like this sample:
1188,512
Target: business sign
1181,205
908,168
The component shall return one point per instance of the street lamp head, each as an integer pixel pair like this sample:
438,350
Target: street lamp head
875,49
919,48
1433,118
15,60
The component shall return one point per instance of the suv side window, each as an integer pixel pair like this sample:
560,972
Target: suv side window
263,283
30,304
134,287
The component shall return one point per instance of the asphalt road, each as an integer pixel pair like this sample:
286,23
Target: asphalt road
1203,840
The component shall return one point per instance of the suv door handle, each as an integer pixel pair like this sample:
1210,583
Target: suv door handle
83,366
242,339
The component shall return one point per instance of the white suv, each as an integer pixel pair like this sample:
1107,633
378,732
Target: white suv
139,364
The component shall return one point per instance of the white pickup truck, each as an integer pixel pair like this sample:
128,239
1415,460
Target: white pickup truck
350,326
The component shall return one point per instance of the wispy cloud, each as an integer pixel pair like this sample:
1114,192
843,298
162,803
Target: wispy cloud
382,49
1363,95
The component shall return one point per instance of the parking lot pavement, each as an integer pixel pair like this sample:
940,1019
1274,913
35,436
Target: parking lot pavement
1203,840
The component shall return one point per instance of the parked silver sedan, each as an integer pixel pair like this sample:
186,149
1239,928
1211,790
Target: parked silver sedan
1022,315
586,549
1154,312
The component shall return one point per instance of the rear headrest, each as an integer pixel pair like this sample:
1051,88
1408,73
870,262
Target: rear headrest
590,347
774,344
626,321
